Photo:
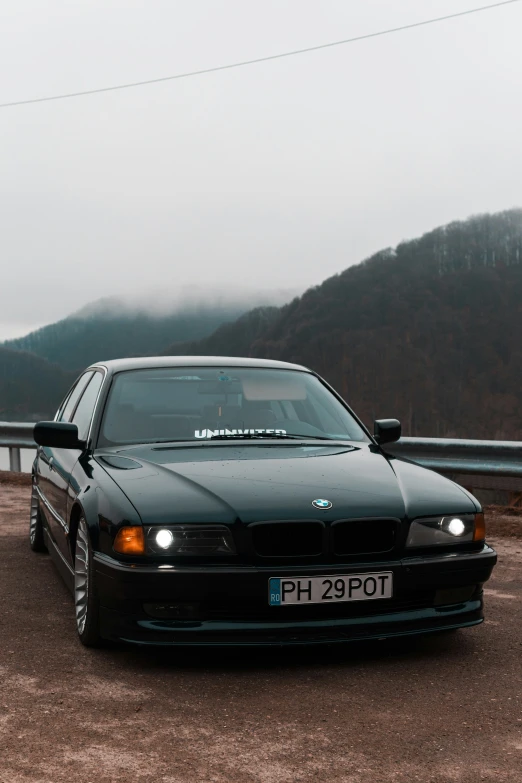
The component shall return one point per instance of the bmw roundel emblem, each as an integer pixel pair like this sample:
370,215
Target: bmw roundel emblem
321,503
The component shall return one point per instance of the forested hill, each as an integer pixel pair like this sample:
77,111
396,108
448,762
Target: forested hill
238,336
429,332
30,387
111,332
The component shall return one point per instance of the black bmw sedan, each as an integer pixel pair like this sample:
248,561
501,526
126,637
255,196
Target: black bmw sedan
208,500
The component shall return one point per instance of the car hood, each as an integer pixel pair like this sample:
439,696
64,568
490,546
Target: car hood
226,483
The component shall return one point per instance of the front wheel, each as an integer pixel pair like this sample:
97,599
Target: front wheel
85,600
36,531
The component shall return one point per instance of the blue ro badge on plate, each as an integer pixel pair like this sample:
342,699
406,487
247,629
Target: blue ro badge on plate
274,592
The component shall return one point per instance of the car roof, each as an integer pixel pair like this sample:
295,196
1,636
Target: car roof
151,362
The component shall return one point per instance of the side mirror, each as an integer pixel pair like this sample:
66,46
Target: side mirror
386,431
57,434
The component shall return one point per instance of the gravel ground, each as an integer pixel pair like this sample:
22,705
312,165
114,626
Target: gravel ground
433,710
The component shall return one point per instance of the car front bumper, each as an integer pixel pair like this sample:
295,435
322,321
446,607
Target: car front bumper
161,604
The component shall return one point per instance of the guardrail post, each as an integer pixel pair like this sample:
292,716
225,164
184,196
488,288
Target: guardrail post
15,463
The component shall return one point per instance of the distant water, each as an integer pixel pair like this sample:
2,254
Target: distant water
27,456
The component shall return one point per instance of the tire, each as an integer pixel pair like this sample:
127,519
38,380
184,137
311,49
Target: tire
36,531
85,601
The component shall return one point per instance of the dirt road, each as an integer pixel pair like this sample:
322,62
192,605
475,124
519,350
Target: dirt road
432,710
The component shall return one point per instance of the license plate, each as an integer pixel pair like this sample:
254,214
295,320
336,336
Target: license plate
328,589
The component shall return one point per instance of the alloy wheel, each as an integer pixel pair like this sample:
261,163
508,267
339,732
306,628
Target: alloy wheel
35,516
36,528
81,576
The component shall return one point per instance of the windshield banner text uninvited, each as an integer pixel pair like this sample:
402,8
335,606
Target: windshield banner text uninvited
213,433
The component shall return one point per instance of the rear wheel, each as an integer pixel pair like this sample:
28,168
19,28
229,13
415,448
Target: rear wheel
36,532
85,600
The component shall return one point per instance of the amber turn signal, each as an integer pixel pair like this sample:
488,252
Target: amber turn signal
479,533
130,541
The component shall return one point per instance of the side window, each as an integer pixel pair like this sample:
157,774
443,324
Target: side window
65,412
83,413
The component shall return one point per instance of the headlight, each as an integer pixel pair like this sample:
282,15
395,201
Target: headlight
448,530
190,540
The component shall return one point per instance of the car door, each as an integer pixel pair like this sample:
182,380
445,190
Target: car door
50,478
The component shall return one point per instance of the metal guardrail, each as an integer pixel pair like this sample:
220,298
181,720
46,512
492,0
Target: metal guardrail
490,458
494,458
16,436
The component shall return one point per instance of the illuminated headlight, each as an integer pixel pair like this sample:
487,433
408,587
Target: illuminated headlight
445,531
456,526
164,538
190,540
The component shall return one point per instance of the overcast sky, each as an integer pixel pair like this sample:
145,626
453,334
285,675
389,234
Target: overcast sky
275,175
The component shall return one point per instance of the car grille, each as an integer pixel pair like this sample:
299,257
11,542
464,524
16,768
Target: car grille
288,539
345,538
365,536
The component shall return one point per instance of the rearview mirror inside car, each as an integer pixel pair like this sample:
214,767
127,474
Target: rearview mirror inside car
57,434
386,431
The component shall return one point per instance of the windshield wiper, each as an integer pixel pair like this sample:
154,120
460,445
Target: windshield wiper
168,440
239,436
267,435
244,436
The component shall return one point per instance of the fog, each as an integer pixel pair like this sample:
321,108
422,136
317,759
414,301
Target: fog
269,177
157,302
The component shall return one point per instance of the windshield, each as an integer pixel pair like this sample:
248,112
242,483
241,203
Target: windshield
198,404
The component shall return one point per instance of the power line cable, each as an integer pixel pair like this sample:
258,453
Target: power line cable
243,63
